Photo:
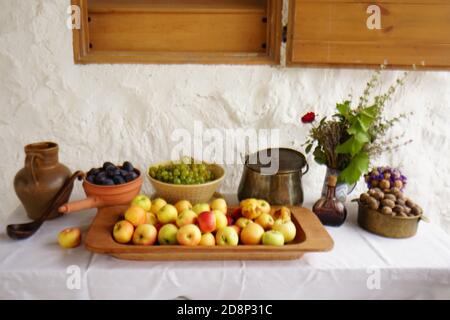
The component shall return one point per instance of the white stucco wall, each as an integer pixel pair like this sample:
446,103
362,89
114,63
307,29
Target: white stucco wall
127,112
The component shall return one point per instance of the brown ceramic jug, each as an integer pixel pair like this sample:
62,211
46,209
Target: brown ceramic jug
41,178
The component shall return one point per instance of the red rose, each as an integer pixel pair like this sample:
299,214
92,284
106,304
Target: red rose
309,117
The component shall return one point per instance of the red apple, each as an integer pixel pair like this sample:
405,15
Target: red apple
230,220
236,214
207,221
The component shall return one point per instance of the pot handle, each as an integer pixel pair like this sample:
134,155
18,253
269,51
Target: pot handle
307,169
88,203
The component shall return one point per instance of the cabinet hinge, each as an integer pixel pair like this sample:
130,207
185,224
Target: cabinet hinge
284,34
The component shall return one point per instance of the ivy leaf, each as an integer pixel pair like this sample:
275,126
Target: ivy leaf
356,168
352,146
308,148
344,108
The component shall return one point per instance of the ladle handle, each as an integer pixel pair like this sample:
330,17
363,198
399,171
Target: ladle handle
88,203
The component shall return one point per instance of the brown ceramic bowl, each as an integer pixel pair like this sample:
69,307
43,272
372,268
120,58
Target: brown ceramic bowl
195,193
105,196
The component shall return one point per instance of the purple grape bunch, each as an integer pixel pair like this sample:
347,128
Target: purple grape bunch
386,178
110,174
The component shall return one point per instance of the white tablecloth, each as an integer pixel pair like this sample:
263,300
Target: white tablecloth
361,266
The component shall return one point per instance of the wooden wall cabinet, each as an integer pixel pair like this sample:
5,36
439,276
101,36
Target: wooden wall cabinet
319,32
336,33
178,31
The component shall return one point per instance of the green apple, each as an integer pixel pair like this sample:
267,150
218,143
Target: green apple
221,219
273,238
227,237
219,204
157,204
167,214
200,207
168,234
287,228
186,217
142,201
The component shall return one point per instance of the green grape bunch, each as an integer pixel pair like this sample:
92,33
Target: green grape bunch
184,173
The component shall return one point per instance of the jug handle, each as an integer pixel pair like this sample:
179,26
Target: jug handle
30,162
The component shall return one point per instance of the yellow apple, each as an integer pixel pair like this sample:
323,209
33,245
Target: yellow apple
136,215
227,237
157,204
69,238
219,204
186,217
183,205
221,219
287,228
167,214
252,234
123,231
151,218
251,208
265,206
265,220
168,234
283,214
145,235
200,207
273,238
142,201
208,240
189,235
243,222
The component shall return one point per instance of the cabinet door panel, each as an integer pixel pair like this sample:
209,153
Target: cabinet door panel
336,33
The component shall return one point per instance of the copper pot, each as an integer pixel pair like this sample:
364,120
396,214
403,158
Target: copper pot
280,187
105,196
387,225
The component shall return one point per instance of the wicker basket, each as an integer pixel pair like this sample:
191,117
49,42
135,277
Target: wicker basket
196,193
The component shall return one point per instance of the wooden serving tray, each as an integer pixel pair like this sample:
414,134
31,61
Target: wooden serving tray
311,237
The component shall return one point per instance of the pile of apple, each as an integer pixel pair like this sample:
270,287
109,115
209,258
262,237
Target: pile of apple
149,222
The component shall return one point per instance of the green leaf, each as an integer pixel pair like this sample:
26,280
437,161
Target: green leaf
308,148
352,146
319,156
356,168
344,108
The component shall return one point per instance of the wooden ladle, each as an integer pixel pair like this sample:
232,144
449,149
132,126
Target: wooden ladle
25,230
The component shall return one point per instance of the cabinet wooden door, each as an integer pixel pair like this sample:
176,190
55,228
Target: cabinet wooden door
178,31
396,33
